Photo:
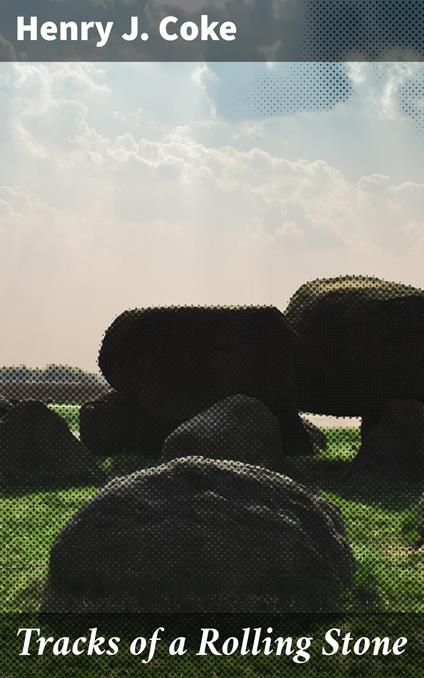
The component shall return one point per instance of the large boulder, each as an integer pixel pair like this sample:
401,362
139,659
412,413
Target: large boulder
239,427
361,344
178,361
197,534
36,446
396,443
117,424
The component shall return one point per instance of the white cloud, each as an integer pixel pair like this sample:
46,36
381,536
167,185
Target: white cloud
397,75
105,206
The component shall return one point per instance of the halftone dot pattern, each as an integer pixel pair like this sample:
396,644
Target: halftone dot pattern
363,30
411,99
62,387
334,530
321,87
214,352
281,30
202,535
301,88
239,423
407,90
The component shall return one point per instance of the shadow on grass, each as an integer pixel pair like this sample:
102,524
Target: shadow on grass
334,476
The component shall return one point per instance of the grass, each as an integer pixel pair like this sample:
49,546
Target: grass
381,519
70,413
380,514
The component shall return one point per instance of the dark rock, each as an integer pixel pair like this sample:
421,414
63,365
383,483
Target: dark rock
150,433
294,437
117,424
242,428
36,446
396,443
197,534
316,435
238,427
5,406
179,361
368,423
361,344
106,425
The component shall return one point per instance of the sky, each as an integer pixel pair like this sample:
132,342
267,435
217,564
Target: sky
131,185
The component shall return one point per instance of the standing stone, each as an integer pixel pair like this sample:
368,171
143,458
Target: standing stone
238,427
179,361
197,534
106,425
361,344
294,437
36,447
368,423
244,429
396,443
117,424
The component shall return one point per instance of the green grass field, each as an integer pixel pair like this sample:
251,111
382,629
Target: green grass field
380,515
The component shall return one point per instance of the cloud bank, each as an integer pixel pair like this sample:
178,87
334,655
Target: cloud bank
130,185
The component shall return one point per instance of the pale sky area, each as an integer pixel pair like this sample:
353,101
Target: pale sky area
130,185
